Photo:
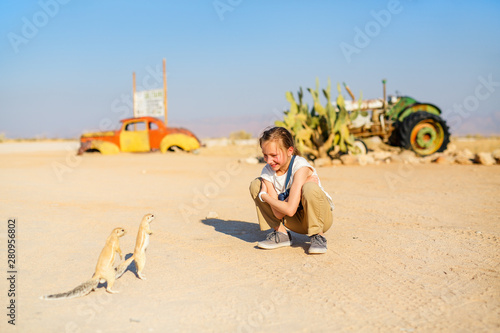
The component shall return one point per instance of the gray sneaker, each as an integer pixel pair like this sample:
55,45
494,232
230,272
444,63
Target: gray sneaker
318,244
275,240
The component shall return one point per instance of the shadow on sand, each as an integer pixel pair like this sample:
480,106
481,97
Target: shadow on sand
249,232
131,267
246,231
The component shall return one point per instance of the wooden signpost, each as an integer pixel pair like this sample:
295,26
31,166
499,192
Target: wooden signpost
165,90
151,103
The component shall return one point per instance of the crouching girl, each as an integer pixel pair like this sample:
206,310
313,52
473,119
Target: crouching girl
288,195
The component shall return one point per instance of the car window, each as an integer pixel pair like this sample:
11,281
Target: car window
153,126
136,126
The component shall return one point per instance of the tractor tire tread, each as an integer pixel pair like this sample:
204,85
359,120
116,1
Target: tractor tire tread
406,126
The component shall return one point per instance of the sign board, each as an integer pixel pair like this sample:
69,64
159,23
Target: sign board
149,103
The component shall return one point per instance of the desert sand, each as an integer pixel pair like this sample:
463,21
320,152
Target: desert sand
414,248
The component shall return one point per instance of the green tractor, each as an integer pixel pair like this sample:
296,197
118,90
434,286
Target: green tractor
399,121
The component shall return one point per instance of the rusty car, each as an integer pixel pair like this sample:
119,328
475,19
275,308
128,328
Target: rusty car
139,134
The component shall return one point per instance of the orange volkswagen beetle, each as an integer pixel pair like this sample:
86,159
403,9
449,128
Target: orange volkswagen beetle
141,134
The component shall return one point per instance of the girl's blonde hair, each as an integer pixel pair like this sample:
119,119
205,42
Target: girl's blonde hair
280,134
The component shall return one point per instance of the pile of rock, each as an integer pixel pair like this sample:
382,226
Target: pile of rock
381,153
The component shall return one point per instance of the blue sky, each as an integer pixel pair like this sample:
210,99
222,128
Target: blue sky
66,66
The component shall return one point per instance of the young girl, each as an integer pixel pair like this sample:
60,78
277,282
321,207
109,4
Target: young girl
308,208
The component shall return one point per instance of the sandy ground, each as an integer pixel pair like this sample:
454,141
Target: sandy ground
412,249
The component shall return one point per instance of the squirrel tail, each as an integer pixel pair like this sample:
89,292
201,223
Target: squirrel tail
120,269
79,291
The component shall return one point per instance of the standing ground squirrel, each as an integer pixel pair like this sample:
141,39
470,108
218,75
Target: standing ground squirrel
141,244
104,270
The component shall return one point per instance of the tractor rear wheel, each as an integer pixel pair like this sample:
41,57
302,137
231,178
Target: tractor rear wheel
424,133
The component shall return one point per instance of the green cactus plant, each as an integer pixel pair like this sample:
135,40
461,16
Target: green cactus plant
322,129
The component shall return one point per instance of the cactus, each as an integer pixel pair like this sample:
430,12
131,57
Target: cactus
321,130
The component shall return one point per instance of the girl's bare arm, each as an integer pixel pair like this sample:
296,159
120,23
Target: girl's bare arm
289,207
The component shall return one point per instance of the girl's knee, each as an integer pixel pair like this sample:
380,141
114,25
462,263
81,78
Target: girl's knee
255,186
310,188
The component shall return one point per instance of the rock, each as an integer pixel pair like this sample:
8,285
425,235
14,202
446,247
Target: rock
407,153
468,154
381,155
212,215
322,162
461,158
441,160
395,159
451,149
428,159
336,162
365,159
496,155
409,156
485,159
349,159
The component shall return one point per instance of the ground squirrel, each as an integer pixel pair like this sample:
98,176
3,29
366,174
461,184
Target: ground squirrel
104,270
141,245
